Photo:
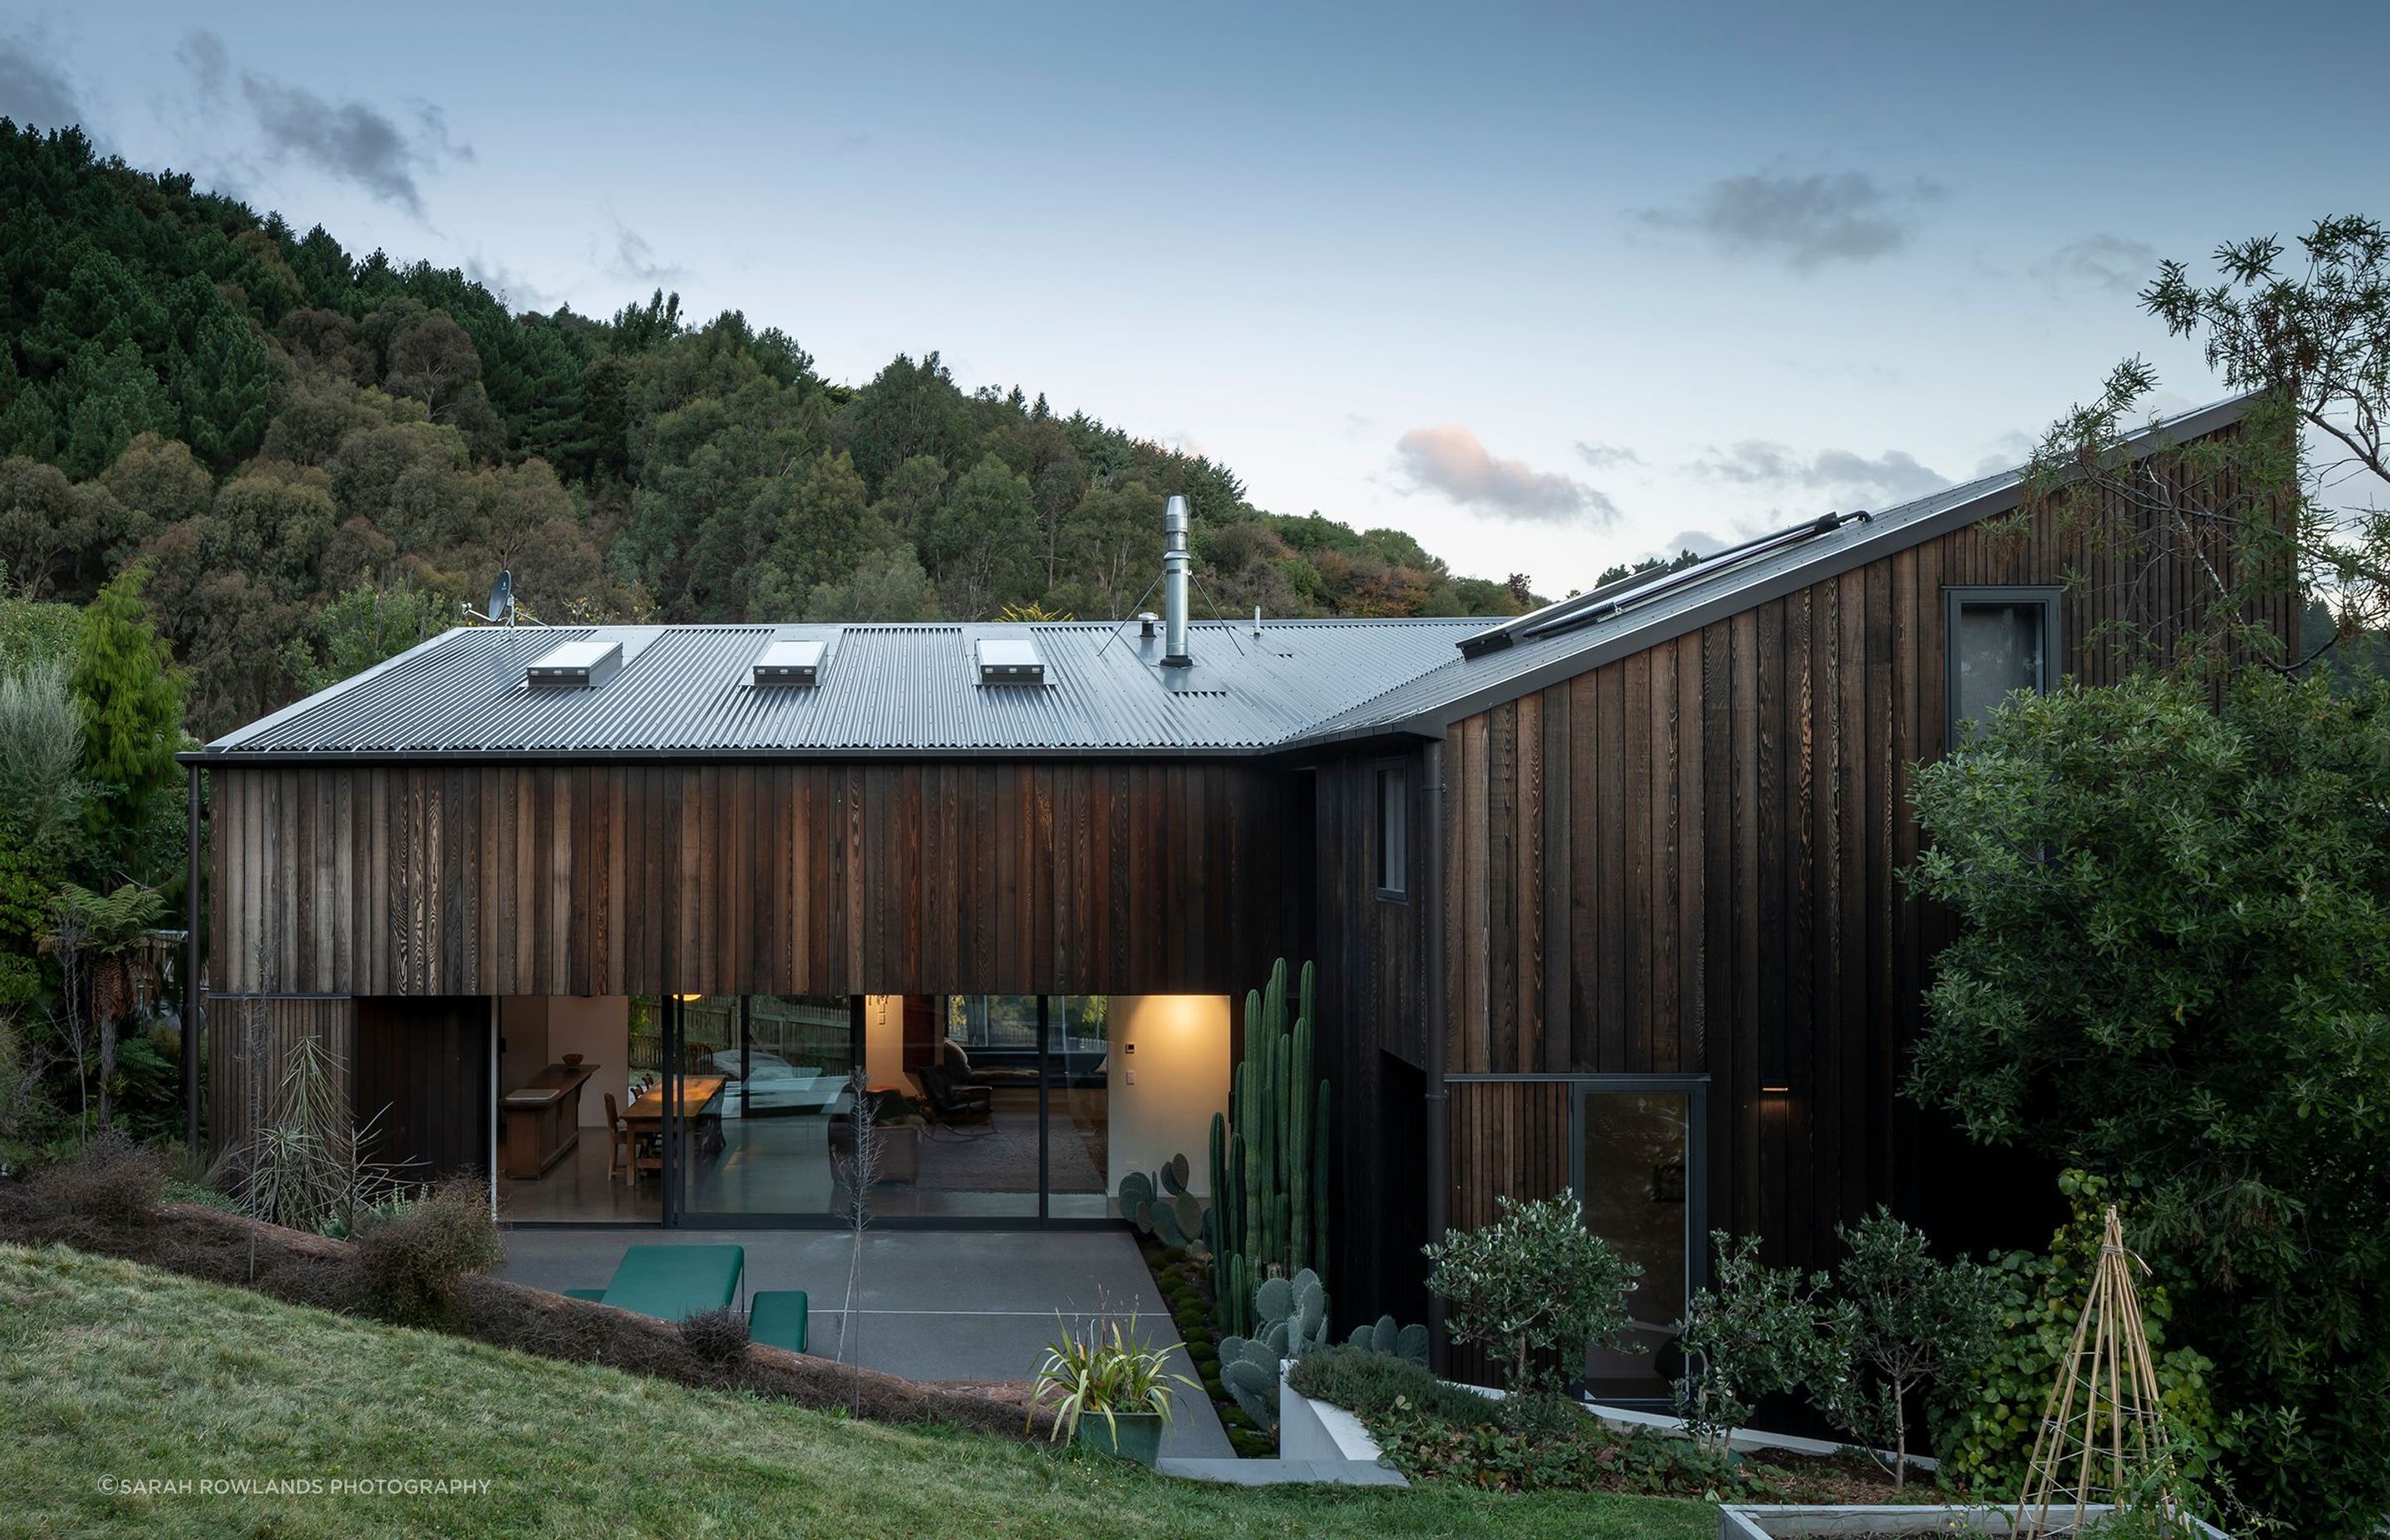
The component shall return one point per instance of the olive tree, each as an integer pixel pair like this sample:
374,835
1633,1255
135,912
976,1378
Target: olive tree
1754,1331
1532,1289
1907,1328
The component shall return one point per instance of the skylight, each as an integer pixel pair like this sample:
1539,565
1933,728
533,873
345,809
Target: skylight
1010,661
574,665
790,661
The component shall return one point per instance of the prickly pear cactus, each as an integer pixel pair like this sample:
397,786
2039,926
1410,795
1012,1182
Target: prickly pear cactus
1399,1341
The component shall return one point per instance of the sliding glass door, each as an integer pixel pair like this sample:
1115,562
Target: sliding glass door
985,1107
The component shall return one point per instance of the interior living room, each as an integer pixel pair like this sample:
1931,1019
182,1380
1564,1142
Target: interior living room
1007,1108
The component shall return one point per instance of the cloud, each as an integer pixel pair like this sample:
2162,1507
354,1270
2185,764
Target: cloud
1804,222
1602,457
2008,451
1699,542
2108,264
349,140
34,90
632,258
1449,461
516,291
203,55
1893,476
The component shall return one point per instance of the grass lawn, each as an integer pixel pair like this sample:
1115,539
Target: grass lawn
109,1371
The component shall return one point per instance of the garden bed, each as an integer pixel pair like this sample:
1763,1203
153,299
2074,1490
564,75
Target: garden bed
1435,1431
1186,1291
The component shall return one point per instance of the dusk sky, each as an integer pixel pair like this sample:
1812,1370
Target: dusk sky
1548,289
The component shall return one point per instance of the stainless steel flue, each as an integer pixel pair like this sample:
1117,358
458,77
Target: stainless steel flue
1174,563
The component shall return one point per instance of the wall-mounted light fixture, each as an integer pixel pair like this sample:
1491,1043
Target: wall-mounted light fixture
685,999
1776,1090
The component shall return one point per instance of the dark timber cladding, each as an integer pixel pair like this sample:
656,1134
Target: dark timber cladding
1686,859
453,877
249,1048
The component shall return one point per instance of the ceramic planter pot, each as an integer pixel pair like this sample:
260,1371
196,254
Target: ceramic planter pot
1131,1435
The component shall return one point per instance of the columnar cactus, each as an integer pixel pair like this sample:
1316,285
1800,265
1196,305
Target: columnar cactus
1270,1155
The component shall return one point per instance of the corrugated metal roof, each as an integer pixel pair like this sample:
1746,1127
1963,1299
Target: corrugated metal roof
883,688
916,688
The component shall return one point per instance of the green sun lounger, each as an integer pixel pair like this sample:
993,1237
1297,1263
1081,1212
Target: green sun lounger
777,1319
674,1282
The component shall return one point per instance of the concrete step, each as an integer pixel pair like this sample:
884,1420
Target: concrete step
1283,1472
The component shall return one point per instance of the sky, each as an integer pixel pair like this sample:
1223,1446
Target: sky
1548,288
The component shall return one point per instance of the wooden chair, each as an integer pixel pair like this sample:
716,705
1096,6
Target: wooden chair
618,1144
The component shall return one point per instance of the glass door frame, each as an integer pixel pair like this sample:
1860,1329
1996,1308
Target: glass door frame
1695,1090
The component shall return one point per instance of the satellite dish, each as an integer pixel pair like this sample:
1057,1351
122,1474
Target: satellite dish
502,601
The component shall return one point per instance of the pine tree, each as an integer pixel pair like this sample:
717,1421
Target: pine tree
131,697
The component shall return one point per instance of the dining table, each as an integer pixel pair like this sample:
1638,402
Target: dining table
645,1115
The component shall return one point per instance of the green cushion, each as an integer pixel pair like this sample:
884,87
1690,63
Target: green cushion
584,1294
673,1282
778,1319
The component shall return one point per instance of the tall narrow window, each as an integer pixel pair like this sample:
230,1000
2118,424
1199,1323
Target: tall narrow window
2000,640
1394,831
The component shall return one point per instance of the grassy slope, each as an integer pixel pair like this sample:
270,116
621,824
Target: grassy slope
110,1368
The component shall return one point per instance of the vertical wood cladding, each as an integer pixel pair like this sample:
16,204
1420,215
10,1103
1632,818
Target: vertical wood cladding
249,1045
1368,952
422,1080
611,879
1687,860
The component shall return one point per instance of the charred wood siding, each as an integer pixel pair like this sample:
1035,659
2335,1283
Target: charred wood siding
1372,1038
1687,860
422,1083
250,1041
1047,876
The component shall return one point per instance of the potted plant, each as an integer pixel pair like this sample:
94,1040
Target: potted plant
1108,1389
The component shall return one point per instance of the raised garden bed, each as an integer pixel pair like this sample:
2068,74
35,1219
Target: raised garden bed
1765,1521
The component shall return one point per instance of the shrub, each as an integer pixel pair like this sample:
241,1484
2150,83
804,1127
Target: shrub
1906,1327
408,1263
1533,1288
112,1181
1753,1333
716,1337
1986,1436
1556,1449
2215,873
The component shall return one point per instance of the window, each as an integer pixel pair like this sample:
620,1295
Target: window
1394,831
2000,640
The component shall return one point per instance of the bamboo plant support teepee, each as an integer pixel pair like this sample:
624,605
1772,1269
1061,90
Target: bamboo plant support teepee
2102,1437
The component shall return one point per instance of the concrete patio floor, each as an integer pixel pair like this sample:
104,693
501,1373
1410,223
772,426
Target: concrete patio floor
936,1304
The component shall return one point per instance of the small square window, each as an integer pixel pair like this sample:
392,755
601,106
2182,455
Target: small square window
2000,641
1394,831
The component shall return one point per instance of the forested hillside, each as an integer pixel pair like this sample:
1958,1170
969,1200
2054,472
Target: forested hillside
318,454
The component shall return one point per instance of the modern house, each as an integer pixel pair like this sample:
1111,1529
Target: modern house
1602,896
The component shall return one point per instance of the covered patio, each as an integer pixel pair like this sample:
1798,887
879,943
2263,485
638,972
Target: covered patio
960,1305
